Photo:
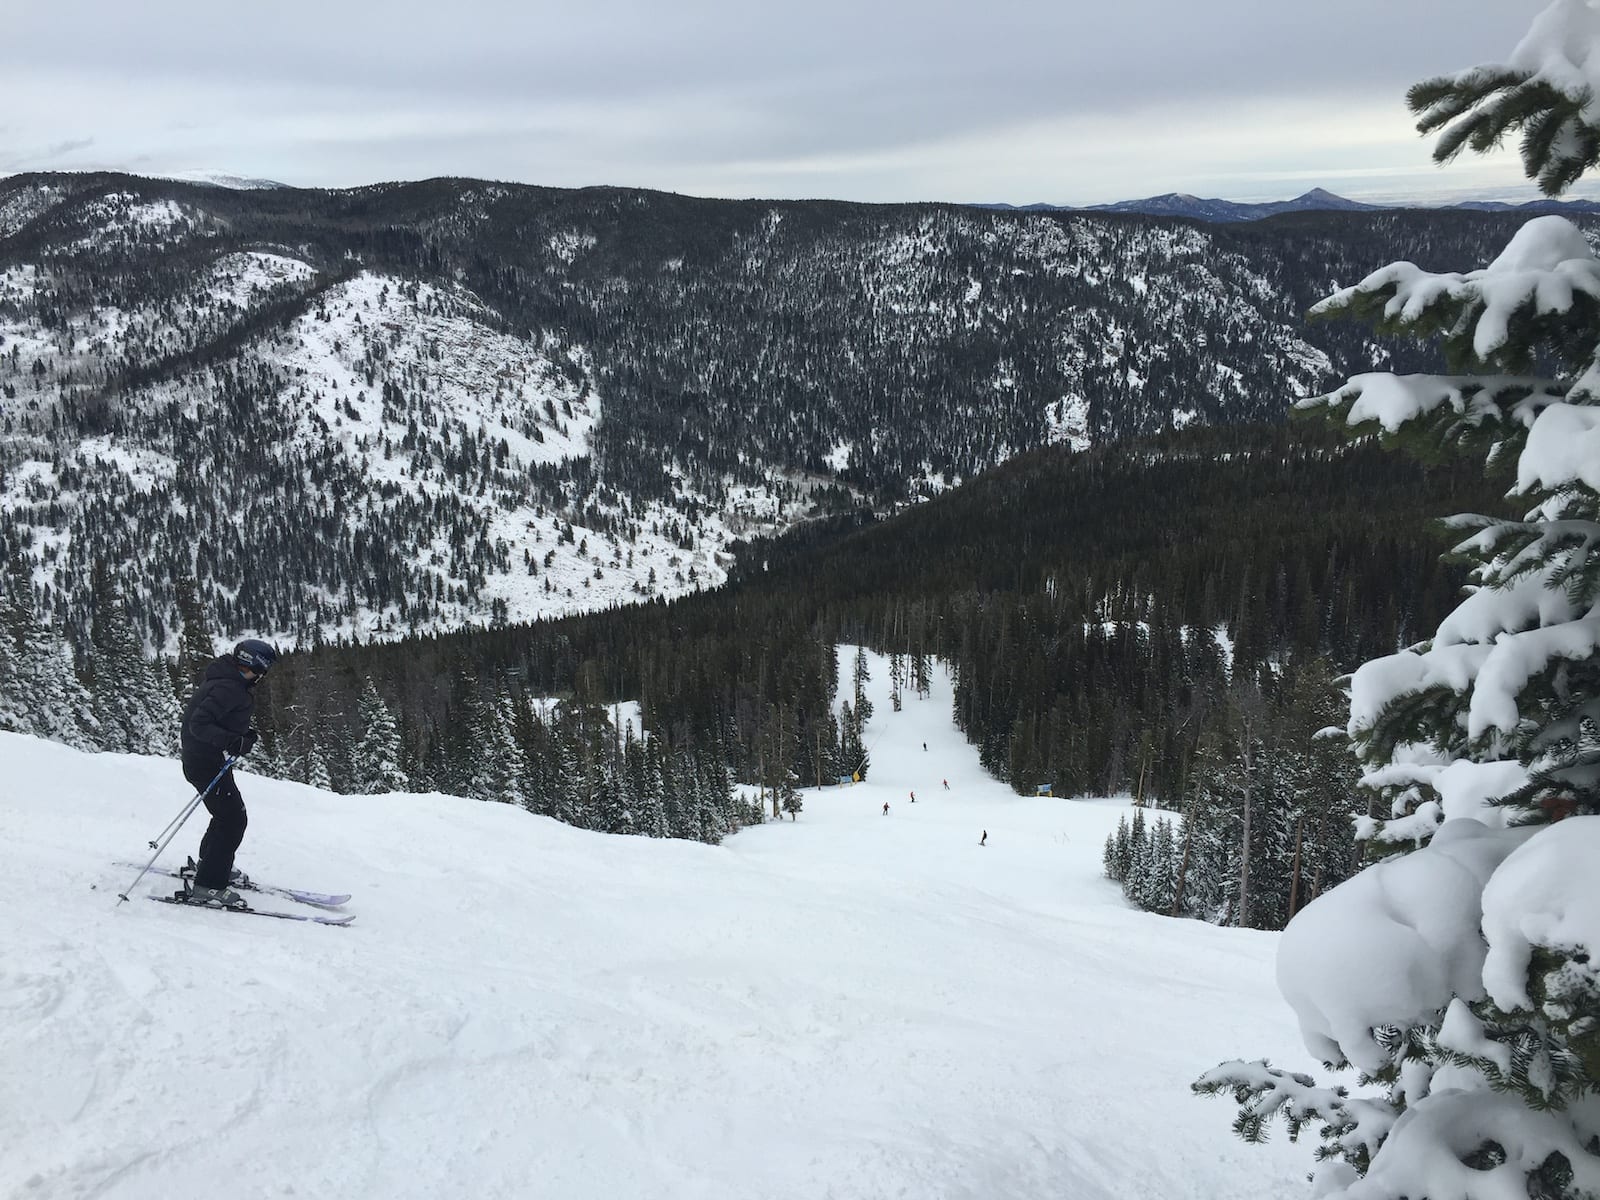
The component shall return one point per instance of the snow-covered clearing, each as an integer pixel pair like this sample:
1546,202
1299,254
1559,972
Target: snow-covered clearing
851,1005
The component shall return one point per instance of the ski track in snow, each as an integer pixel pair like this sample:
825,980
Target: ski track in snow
851,1005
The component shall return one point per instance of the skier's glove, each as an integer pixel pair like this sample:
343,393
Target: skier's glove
245,744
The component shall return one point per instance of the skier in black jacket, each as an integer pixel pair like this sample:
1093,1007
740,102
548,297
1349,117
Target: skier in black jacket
216,723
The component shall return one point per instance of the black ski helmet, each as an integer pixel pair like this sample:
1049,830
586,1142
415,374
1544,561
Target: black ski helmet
255,654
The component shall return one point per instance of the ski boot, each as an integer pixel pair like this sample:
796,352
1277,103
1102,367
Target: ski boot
236,877
222,897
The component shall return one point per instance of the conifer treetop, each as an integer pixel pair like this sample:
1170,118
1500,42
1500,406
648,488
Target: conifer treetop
1546,90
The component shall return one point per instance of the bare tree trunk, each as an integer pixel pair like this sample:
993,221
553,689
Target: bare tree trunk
1183,863
1294,875
1247,761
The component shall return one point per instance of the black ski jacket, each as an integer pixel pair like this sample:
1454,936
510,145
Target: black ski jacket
218,714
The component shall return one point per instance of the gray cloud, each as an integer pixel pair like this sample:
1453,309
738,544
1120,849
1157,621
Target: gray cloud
43,158
886,100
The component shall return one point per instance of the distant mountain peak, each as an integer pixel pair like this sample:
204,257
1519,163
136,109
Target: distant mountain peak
224,180
1186,204
1182,204
1318,199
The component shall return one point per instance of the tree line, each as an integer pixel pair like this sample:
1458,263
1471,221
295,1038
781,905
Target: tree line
1113,619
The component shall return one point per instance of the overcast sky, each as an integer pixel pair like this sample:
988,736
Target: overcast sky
1070,102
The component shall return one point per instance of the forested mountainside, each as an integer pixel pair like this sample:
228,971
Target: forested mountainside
405,407
1138,616
1104,611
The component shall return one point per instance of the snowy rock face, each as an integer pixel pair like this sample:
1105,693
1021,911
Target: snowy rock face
455,402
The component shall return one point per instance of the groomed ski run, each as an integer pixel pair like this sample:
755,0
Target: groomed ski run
851,1005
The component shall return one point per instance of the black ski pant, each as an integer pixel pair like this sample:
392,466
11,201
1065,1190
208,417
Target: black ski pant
228,821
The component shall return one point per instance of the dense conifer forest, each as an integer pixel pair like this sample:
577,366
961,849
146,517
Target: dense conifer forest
418,401
1136,588
1164,617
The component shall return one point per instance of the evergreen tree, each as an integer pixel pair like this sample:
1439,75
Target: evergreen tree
679,797
1485,1071
375,764
18,631
1116,852
498,767
859,677
789,798
314,771
652,802
1208,871
196,647
131,694
1160,873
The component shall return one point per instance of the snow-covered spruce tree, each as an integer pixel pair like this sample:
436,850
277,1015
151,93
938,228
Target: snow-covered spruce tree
39,690
1460,976
652,792
196,647
860,676
132,695
1116,854
499,767
375,765
789,797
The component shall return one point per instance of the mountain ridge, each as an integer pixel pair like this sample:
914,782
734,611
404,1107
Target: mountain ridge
1182,204
457,402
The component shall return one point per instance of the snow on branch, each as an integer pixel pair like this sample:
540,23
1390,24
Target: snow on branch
1475,1145
1547,895
1470,401
1263,1091
1547,90
1563,448
1391,946
1562,48
1429,793
1546,272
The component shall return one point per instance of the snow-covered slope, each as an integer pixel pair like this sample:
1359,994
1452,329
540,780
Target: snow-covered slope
453,402
851,1005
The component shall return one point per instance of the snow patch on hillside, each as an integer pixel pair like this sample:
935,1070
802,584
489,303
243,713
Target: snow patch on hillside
26,205
1068,421
570,243
122,217
442,345
239,279
144,468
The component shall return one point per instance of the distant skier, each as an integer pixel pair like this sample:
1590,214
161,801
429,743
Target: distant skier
946,783
924,746
886,808
216,723
984,840
913,797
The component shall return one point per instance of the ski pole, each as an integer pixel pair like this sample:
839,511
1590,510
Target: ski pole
155,842
176,824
